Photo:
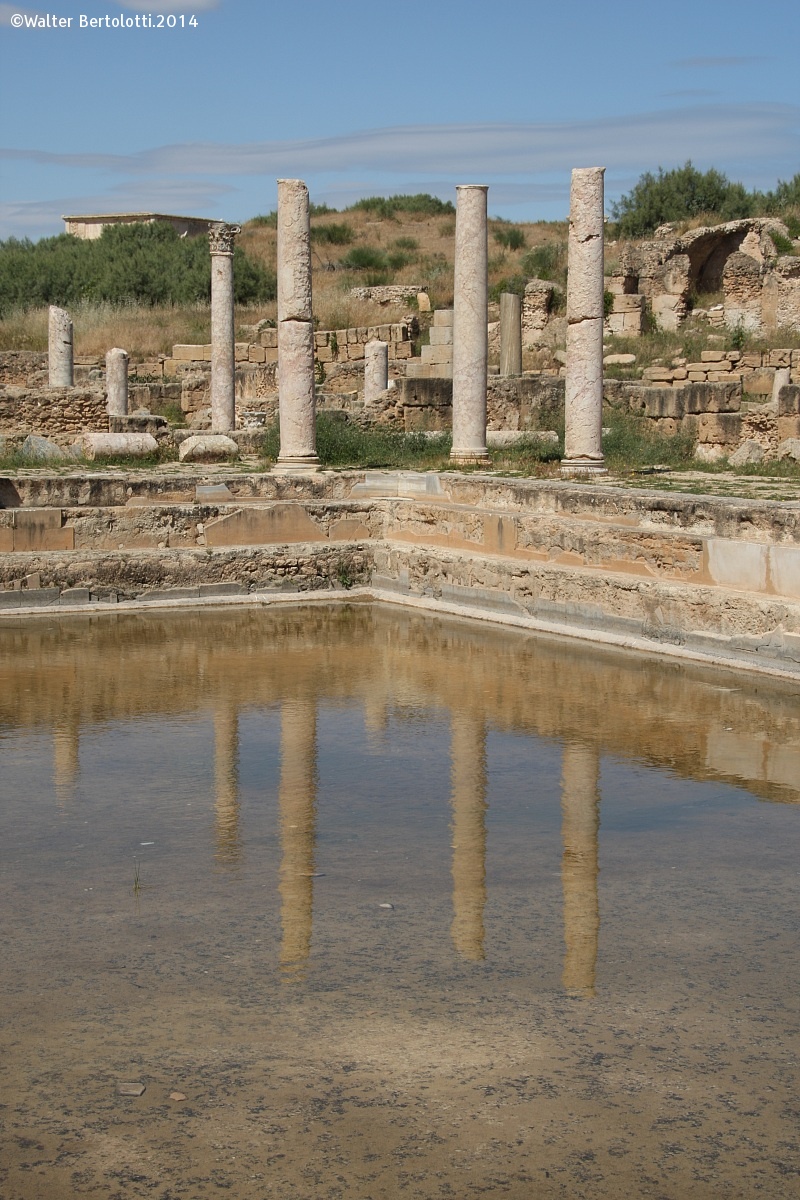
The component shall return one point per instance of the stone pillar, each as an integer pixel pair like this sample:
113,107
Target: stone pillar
59,348
783,377
583,416
226,784
117,382
223,349
580,825
297,798
510,334
296,398
468,776
470,334
376,370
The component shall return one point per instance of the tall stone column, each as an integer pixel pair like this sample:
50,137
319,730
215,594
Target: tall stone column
226,783
510,334
376,369
580,826
583,415
297,800
117,382
59,348
223,348
470,335
468,776
296,397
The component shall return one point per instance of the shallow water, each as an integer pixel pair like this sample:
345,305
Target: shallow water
402,907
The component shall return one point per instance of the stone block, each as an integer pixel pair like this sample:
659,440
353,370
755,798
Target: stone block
324,354
443,317
784,562
208,447
751,360
41,529
269,338
76,595
401,350
39,597
355,351
423,302
737,564
720,428
788,427
170,366
271,354
661,403
657,374
437,354
241,351
442,336
131,445
779,358
628,304
256,354
712,356
188,353
789,400
759,383
712,397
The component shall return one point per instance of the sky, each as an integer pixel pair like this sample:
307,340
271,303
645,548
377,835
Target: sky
199,109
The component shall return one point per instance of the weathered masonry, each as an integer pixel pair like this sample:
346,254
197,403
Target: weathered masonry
690,576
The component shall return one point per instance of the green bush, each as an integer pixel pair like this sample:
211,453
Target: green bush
512,239
406,243
364,258
335,234
783,245
546,262
511,283
678,195
146,264
421,204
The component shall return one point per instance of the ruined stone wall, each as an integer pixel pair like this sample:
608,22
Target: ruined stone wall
59,413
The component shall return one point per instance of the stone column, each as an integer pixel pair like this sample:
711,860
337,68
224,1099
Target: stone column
376,370
59,348
468,776
223,349
297,798
583,415
226,784
510,334
470,335
296,398
117,382
580,825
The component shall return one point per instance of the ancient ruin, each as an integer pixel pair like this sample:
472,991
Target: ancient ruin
60,348
470,335
117,382
223,404
296,394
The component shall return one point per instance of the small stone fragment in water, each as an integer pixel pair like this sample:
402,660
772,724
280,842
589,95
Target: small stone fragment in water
386,906
130,1089
177,1096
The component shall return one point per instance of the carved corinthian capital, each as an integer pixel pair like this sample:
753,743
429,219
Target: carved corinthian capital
220,237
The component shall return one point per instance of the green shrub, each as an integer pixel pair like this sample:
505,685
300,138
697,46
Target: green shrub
364,258
512,283
421,204
269,219
608,303
546,262
147,264
406,243
335,234
512,239
782,244
678,195
320,210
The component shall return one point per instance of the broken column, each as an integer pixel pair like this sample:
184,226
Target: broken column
583,416
470,334
117,382
59,348
296,399
223,350
376,369
510,334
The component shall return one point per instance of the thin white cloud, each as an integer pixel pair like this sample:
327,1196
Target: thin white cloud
171,6
720,60
706,133
7,11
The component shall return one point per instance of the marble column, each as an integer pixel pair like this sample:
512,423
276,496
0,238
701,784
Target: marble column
468,778
297,798
580,826
226,784
470,336
583,413
59,348
296,396
117,382
376,370
510,334
223,347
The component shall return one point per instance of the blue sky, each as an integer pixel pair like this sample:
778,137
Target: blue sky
363,98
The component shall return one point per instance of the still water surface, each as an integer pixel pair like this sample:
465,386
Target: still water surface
400,907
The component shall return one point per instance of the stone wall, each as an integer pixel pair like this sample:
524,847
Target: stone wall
58,413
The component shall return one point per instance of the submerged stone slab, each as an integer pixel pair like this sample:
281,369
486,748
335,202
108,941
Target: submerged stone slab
209,447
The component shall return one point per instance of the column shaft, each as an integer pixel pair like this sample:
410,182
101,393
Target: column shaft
117,383
470,337
510,334
59,348
223,349
583,414
296,395
376,369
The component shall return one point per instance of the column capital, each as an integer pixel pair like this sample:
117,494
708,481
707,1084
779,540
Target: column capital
221,235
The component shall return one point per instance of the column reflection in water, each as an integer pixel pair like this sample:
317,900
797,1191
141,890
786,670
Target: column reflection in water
468,775
66,757
226,783
580,825
297,800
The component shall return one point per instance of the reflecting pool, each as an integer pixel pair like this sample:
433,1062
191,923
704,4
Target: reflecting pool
376,905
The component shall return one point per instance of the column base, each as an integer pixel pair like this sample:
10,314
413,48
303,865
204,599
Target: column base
470,458
297,464
583,466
